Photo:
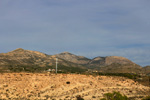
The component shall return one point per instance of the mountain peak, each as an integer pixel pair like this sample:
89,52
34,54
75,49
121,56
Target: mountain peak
117,59
65,52
22,52
18,50
73,58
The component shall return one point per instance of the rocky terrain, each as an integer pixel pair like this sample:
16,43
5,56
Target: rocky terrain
44,86
146,69
66,60
28,57
110,60
73,58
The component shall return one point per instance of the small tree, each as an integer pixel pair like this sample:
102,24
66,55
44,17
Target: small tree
114,96
79,97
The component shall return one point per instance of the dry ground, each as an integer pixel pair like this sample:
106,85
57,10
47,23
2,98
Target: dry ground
42,86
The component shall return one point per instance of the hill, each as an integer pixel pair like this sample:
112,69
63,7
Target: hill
146,69
103,61
114,64
36,61
73,58
42,86
20,59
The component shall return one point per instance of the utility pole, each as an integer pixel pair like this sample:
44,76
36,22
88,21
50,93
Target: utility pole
56,64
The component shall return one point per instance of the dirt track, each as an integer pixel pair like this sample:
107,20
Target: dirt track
66,86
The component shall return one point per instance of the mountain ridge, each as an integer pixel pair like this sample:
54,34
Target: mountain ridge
28,57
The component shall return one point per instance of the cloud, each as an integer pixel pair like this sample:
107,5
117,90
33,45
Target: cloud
90,28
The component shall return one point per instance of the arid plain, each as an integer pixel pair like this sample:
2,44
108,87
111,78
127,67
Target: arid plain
44,86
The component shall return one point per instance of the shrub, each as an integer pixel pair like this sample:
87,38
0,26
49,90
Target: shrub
78,97
114,96
146,98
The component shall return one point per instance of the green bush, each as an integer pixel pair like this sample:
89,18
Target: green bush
78,97
146,98
114,96
128,75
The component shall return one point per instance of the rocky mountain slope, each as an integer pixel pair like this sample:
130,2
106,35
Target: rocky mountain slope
104,61
115,64
21,56
146,69
104,64
20,59
28,57
73,58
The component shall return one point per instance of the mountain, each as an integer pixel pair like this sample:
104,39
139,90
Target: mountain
97,61
26,58
67,61
103,61
111,64
73,58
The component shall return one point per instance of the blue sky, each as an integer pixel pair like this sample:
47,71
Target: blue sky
84,27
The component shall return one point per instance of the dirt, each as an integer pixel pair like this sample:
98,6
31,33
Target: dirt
45,86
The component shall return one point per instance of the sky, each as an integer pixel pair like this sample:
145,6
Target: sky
88,28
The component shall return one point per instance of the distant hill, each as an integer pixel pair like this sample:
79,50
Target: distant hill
103,61
146,69
67,62
25,58
73,58
114,64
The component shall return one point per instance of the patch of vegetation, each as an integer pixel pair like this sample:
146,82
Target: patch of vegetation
114,96
66,69
146,98
128,75
39,69
144,80
27,68
78,97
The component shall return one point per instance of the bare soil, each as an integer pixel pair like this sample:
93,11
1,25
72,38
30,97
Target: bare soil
44,86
